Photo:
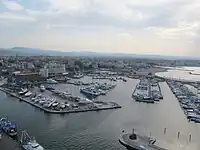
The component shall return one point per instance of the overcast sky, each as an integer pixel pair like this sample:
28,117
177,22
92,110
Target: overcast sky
168,27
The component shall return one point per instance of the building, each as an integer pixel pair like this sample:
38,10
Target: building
52,69
25,77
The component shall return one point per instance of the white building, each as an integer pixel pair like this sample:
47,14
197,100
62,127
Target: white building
52,69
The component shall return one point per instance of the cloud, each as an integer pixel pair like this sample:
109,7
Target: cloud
163,25
7,16
12,5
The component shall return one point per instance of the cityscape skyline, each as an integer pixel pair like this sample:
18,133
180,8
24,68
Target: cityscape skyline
163,27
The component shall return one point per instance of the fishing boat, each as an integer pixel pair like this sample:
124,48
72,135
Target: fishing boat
8,127
28,143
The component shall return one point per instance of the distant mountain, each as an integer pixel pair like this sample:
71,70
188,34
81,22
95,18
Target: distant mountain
24,51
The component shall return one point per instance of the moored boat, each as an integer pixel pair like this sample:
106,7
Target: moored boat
42,88
28,143
8,127
23,91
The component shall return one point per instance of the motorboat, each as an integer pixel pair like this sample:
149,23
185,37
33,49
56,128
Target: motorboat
62,105
23,91
29,93
51,81
55,104
42,88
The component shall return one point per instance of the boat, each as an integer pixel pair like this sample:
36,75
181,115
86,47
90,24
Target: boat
28,143
78,76
55,104
23,91
42,88
41,102
51,81
62,105
8,127
134,141
124,80
29,93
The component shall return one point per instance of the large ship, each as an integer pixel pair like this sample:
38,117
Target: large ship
134,141
28,143
8,127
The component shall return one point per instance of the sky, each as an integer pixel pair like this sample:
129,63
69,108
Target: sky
164,27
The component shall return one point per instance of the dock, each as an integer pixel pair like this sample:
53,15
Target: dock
7,143
61,111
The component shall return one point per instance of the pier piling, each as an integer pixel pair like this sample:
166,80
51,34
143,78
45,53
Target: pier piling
190,138
178,135
165,130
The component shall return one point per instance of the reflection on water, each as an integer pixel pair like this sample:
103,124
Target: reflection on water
100,130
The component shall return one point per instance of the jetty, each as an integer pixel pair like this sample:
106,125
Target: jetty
110,105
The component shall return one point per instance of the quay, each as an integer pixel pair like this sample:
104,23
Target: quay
62,111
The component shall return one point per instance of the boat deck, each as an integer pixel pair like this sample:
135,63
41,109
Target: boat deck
6,143
142,143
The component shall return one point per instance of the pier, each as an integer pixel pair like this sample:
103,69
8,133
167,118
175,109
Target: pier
114,106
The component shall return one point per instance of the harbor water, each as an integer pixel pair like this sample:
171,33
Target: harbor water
100,130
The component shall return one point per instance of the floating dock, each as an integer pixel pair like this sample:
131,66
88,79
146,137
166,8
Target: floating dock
61,111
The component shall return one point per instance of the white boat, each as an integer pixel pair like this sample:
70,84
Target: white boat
37,100
29,93
23,91
55,104
33,99
42,88
84,101
62,105
29,143
42,102
51,81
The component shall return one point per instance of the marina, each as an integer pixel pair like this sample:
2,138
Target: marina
147,90
110,105
189,101
85,130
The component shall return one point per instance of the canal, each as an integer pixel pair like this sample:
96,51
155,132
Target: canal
100,130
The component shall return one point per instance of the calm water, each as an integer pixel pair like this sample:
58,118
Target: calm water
100,130
182,74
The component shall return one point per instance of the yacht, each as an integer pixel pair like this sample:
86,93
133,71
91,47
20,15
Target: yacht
23,91
62,105
51,81
55,104
29,93
42,88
